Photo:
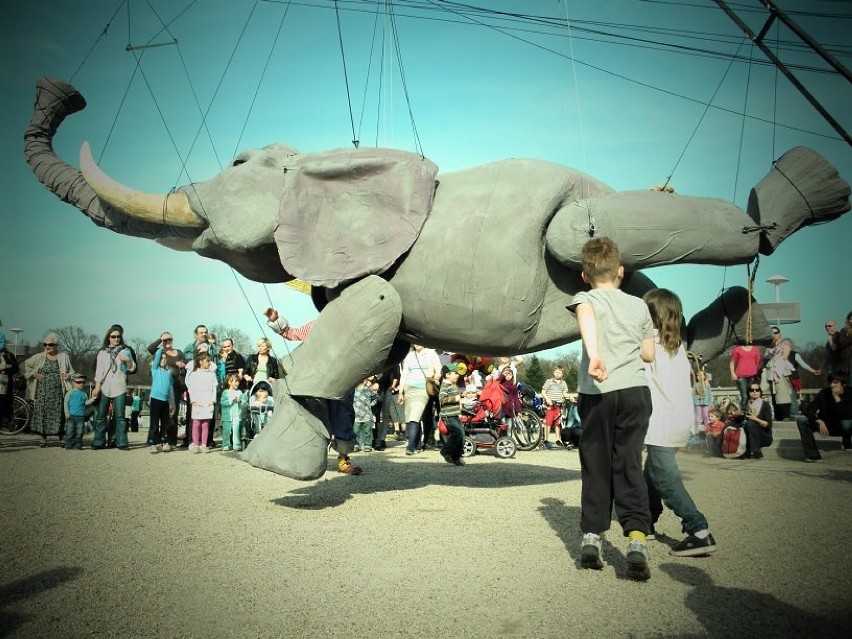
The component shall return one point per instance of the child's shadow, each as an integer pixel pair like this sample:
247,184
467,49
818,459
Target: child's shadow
729,612
565,522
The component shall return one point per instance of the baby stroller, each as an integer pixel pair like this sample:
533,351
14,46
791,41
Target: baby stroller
482,424
259,409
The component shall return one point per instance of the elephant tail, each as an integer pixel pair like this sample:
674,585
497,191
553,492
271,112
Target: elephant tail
802,188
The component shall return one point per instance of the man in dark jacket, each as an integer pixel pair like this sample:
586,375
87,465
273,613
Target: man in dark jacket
830,414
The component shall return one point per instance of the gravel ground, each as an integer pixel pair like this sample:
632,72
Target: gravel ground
129,544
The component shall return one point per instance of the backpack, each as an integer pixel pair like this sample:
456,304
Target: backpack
733,442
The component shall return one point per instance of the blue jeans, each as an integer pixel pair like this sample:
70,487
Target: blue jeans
364,434
412,429
742,385
807,428
665,486
74,429
99,440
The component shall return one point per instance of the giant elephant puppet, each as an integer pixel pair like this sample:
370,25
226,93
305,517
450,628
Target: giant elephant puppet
480,261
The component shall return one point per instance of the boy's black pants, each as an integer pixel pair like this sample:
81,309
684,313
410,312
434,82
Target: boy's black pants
614,428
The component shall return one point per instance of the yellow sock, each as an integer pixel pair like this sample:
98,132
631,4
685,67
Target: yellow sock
635,535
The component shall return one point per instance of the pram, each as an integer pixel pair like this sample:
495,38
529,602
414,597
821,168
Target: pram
483,427
258,410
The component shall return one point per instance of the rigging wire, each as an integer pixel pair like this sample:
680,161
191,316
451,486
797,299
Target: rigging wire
97,41
584,183
369,74
345,75
703,114
260,82
417,145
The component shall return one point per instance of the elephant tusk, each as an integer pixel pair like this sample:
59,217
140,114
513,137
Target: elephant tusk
172,209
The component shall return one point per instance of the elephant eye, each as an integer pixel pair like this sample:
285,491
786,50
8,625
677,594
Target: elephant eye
237,162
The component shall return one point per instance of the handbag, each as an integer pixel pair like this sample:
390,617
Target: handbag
431,384
431,387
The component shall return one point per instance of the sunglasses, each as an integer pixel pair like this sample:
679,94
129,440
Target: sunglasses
115,336
49,344
753,390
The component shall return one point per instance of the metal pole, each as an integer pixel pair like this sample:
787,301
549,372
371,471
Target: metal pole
813,44
781,67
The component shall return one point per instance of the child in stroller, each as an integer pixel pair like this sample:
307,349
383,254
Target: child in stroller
483,424
260,407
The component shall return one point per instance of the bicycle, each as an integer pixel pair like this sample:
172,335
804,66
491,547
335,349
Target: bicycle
22,413
527,430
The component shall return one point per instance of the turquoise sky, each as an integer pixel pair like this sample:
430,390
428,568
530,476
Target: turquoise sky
480,87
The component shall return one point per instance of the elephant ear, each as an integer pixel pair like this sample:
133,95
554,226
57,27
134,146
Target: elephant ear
349,213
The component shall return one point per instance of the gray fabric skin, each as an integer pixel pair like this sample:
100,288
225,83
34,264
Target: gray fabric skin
722,324
351,340
353,212
485,264
294,442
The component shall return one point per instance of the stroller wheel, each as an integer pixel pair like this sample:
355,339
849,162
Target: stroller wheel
505,447
468,447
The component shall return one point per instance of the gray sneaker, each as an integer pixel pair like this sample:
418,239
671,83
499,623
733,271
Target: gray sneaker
637,561
590,552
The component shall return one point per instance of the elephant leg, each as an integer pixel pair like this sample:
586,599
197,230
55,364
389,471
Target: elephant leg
352,338
724,322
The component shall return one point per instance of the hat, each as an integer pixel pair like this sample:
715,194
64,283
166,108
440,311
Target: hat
79,377
452,367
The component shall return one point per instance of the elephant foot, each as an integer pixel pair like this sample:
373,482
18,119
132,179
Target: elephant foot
802,188
294,443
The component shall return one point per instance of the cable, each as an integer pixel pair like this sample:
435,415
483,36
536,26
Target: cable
701,119
345,75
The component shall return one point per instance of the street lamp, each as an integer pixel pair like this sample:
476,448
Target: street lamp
777,281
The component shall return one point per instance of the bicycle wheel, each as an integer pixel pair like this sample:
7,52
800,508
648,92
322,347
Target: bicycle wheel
21,415
526,430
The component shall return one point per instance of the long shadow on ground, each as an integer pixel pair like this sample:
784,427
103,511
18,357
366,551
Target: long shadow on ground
733,612
391,475
26,588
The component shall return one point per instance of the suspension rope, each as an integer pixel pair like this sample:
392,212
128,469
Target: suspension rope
704,113
417,145
216,92
583,182
96,42
369,74
260,80
345,74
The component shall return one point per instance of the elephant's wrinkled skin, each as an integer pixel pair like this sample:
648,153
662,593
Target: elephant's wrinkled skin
481,261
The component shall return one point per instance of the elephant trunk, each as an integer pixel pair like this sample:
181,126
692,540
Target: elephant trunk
56,100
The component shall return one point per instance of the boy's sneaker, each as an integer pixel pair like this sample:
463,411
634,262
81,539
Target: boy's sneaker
156,449
590,552
637,561
692,546
367,449
167,448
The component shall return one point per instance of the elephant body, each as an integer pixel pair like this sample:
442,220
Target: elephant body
480,261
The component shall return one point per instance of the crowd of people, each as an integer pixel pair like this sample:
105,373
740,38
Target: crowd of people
637,390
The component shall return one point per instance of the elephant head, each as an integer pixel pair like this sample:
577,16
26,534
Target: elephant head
273,214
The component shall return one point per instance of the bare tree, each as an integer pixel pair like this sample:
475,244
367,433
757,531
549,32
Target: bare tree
242,342
143,361
79,345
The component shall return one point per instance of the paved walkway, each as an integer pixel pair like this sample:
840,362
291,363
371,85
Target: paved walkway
129,544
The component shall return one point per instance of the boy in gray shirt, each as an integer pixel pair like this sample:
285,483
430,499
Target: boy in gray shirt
614,405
